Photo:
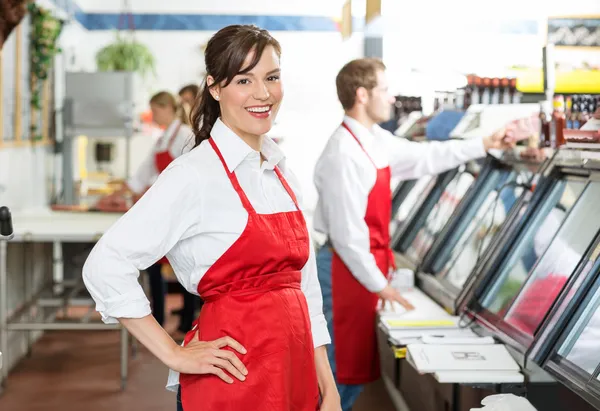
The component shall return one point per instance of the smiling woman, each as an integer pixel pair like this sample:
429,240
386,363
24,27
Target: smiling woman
231,224
242,86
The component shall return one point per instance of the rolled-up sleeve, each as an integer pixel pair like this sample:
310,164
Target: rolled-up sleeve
147,232
410,160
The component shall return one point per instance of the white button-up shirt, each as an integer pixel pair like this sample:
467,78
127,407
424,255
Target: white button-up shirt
344,177
193,215
146,174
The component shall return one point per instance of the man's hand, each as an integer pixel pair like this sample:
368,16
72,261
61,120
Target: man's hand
390,294
513,132
498,141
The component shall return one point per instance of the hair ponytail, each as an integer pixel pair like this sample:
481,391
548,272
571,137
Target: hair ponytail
204,114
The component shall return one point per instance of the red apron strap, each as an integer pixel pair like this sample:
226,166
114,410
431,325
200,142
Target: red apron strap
233,179
287,187
359,143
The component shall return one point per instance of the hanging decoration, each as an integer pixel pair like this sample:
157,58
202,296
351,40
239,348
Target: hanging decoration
43,46
126,53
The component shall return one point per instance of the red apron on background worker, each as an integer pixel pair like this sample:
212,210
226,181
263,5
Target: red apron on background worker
176,139
228,216
352,178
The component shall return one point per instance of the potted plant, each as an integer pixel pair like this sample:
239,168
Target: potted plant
126,55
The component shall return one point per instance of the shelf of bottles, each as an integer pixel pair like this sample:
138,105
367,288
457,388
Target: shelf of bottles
405,105
480,90
567,112
488,90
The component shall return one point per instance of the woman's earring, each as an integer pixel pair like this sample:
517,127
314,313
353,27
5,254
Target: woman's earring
217,98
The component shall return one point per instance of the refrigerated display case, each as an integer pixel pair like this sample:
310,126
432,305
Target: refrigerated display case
407,198
413,238
502,185
574,359
540,253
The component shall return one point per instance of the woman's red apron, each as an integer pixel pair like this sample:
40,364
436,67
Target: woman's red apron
252,293
355,307
162,159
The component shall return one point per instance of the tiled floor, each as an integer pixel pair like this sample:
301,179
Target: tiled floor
71,371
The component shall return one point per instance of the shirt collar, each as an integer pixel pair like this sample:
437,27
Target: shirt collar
235,150
362,133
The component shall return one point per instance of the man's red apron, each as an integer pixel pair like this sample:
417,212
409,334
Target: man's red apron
162,159
252,293
355,307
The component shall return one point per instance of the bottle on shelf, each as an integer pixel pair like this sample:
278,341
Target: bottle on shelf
468,96
515,95
545,121
558,120
575,113
486,92
568,112
495,98
505,90
476,95
585,113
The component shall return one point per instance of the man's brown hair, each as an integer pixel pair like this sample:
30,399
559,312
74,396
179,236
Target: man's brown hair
355,74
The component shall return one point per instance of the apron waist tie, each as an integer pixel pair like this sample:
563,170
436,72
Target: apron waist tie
254,285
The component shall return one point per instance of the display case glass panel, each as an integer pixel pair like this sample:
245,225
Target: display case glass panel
482,229
581,345
440,214
558,262
532,244
421,189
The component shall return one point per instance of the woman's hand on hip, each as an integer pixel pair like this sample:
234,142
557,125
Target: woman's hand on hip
209,357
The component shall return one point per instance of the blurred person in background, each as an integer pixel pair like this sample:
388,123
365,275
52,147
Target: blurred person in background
187,97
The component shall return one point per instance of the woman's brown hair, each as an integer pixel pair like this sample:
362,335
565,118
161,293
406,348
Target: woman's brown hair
166,99
224,58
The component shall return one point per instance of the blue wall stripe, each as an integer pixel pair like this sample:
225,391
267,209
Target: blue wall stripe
207,22
214,22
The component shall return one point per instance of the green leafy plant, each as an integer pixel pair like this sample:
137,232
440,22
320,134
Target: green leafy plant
43,46
126,55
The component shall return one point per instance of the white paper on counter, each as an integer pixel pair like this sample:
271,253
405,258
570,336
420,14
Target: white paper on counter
446,340
434,358
479,377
